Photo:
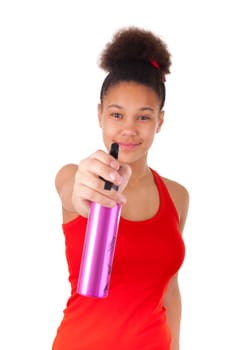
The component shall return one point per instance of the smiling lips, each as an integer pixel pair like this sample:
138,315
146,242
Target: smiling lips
128,146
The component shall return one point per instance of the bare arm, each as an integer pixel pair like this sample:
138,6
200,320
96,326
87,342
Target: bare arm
172,299
64,183
172,303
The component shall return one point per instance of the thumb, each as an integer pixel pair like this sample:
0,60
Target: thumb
125,172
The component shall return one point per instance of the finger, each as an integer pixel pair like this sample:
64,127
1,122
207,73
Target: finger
125,173
83,208
109,201
106,158
98,169
91,181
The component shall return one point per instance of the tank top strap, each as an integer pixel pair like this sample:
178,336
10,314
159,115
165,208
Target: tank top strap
166,200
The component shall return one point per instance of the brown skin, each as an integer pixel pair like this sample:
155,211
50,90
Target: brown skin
130,116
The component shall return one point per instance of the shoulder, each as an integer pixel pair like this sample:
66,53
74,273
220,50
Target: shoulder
180,197
65,173
64,182
175,188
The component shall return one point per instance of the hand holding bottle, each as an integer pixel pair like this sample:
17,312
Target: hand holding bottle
88,184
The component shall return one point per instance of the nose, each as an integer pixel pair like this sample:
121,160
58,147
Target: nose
129,128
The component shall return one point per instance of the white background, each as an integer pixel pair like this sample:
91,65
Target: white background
50,81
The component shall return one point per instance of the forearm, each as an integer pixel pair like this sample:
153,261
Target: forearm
174,320
172,303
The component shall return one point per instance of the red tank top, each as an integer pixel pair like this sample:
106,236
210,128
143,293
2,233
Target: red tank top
148,253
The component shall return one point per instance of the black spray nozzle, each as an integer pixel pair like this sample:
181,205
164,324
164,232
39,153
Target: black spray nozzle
114,150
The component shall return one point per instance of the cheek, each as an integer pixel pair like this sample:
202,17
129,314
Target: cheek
149,137
150,132
108,129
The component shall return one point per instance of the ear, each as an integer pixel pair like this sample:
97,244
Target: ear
161,120
100,114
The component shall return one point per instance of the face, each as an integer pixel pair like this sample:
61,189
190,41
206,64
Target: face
130,115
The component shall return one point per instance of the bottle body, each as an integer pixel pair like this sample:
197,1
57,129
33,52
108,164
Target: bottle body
98,251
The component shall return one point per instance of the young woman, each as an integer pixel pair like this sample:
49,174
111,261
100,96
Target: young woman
143,307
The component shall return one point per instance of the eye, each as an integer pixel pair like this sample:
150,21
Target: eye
116,115
144,117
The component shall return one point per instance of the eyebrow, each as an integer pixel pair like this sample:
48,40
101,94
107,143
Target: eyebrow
146,108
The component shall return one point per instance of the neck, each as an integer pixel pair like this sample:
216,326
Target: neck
139,173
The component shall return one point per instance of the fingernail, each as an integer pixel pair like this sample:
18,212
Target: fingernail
120,180
122,199
112,176
117,179
114,165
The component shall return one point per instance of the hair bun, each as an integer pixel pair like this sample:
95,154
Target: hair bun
135,44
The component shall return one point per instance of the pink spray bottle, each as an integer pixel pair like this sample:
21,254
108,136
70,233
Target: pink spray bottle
99,245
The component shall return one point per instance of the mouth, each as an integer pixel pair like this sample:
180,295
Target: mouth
128,146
